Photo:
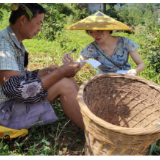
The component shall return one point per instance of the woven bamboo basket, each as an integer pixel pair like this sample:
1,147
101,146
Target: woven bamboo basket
120,113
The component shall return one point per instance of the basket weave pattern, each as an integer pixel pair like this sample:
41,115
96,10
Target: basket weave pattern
119,113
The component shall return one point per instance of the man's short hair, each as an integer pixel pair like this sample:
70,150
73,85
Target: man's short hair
23,9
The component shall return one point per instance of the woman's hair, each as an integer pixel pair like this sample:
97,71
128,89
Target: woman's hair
30,10
87,31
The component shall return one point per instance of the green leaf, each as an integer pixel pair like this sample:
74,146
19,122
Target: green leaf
7,133
1,144
45,142
6,147
153,145
78,140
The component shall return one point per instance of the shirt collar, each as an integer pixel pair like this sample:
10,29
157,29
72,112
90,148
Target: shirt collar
14,39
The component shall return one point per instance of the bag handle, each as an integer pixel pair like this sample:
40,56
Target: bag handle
106,56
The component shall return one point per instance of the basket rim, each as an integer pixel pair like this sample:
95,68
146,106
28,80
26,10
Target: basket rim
107,125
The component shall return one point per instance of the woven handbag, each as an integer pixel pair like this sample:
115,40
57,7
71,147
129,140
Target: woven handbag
119,113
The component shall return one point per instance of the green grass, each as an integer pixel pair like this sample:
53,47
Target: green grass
43,53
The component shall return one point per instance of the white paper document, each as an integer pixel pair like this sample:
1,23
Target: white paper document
93,62
124,72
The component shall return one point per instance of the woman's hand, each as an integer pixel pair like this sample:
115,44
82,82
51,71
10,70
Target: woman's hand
138,60
67,59
132,71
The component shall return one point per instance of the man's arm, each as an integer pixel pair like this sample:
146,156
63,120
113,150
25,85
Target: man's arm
47,70
67,70
33,88
6,74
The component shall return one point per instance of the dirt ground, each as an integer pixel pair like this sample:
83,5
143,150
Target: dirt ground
70,141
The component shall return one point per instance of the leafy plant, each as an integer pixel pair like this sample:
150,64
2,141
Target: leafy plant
4,148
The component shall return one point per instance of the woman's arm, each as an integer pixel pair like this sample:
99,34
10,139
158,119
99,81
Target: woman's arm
138,60
81,59
67,59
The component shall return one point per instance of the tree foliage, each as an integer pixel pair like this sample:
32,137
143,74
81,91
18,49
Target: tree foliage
56,17
152,48
7,6
135,13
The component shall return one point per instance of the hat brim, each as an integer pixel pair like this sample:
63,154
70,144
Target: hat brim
99,26
95,22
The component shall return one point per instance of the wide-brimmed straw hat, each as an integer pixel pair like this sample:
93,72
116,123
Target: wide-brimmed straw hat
98,21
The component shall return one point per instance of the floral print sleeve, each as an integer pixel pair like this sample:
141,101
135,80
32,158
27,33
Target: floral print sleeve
130,45
89,51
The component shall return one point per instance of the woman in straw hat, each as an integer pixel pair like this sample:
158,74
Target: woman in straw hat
111,51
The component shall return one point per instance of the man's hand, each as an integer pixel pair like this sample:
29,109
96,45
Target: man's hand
70,69
52,68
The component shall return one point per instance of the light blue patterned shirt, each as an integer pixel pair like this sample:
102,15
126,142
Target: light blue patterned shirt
119,57
11,55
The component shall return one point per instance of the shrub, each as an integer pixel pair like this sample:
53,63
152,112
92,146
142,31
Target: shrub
58,15
4,19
